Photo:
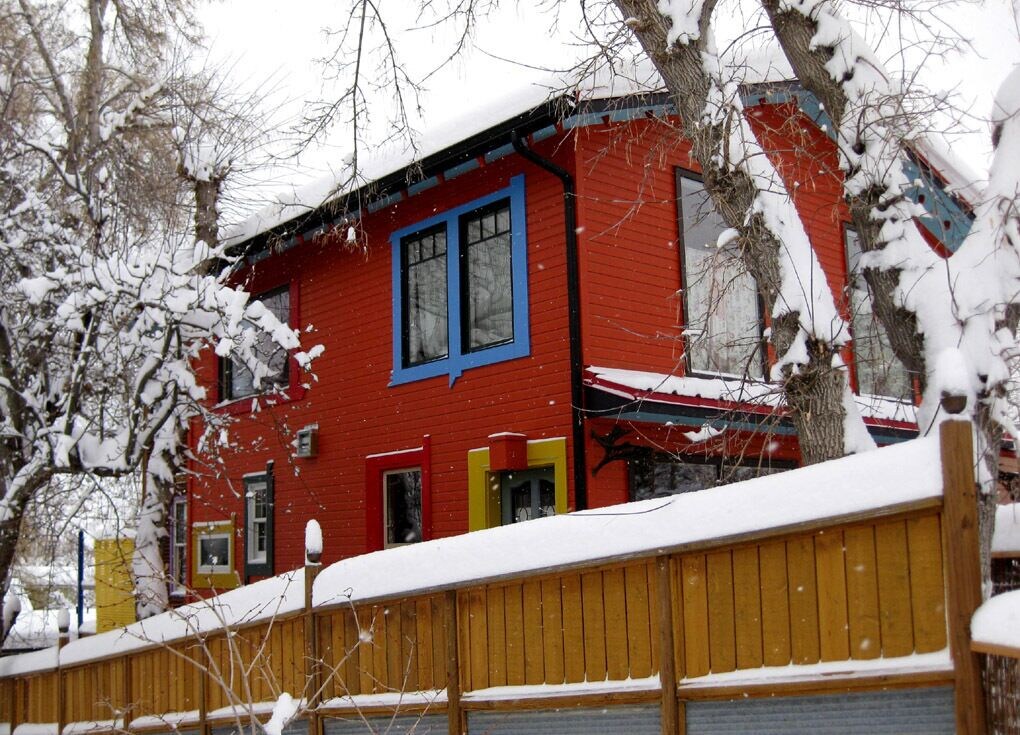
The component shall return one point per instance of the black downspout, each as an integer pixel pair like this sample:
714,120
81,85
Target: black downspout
573,315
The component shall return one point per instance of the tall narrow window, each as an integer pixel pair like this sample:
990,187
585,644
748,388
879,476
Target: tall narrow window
179,545
879,371
402,506
237,380
722,312
425,319
258,523
487,278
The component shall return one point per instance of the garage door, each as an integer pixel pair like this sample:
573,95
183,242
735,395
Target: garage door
896,712
636,720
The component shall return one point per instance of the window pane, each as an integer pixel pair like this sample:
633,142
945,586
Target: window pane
722,320
425,320
214,551
240,381
403,507
489,317
658,479
879,371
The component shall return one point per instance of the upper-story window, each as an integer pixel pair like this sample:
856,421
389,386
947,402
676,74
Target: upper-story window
879,371
460,288
237,380
721,306
178,544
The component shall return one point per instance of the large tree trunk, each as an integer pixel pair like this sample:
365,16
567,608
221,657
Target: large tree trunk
814,390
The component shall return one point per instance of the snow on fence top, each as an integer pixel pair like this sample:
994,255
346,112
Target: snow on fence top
996,623
886,478
1006,538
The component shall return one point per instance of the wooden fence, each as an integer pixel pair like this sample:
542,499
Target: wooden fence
847,590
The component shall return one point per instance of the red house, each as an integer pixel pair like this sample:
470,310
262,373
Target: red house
532,318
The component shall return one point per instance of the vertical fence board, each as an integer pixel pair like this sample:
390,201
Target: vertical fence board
800,564
409,645
594,621
721,637
497,640
747,607
573,628
615,596
862,593
534,654
478,634
927,591
833,620
514,610
441,635
775,604
639,642
424,647
552,630
695,597
894,589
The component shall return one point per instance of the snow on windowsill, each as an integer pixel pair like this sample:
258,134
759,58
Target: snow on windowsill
542,691
394,700
36,728
919,663
255,709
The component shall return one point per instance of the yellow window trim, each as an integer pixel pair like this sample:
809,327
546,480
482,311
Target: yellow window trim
484,501
204,580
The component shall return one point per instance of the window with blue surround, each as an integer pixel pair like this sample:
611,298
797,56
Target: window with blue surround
460,286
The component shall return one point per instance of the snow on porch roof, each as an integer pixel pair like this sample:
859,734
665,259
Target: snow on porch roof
888,479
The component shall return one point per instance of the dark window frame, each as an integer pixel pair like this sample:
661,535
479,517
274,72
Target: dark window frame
720,463
259,568
386,508
285,378
178,566
463,222
681,173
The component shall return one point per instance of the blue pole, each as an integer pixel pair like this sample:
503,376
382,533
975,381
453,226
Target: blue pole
80,609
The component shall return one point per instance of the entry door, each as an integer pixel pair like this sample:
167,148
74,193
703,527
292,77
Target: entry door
527,494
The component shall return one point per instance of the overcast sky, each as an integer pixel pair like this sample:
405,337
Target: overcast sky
275,47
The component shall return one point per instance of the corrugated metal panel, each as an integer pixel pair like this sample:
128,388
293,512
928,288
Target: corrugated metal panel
398,725
899,712
634,720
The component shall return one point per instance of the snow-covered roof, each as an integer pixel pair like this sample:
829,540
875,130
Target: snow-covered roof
649,386
885,479
1006,537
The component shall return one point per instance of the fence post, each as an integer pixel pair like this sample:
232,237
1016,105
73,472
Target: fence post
670,714
63,626
454,713
312,667
962,568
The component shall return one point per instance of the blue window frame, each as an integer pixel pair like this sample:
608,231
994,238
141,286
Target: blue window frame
472,260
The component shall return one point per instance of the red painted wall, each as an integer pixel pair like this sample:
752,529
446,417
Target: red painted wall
346,297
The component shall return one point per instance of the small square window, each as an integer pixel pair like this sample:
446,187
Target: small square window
214,553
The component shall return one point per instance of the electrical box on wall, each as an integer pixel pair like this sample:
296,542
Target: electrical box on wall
307,442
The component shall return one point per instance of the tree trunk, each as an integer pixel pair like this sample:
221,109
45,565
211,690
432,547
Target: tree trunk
814,392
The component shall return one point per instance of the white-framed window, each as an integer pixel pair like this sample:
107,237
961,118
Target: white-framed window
722,311
402,506
214,553
178,544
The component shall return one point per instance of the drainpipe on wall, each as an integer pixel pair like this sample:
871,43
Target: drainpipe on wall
573,315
